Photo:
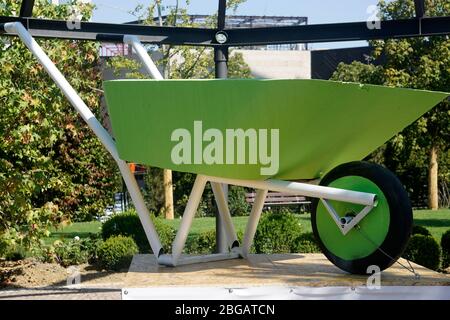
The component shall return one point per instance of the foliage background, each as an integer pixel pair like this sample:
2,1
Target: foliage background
52,168
420,63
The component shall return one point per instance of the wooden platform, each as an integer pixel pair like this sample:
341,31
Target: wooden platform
311,270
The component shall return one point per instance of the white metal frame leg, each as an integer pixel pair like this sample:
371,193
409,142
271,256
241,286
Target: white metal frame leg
253,221
95,125
176,257
143,56
224,212
188,217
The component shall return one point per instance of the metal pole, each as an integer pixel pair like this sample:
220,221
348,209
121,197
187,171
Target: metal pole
26,8
305,189
142,53
221,71
225,215
221,62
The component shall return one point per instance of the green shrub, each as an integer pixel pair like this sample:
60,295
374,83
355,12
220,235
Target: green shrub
236,201
445,245
420,230
3,247
205,242
202,243
128,224
277,233
91,246
70,253
15,253
117,252
423,250
306,243
73,252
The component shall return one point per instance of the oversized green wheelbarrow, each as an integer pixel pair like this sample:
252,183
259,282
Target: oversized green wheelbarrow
280,131
280,135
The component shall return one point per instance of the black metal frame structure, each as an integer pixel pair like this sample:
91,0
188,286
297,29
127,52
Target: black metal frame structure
333,32
414,27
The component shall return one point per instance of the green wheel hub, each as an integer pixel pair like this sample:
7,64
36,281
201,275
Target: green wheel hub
374,226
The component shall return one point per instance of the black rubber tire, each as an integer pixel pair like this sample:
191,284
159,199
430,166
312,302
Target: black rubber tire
401,218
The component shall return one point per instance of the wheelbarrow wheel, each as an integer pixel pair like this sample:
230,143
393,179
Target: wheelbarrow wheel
381,236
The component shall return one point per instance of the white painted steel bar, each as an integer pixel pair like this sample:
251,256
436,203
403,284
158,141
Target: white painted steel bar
349,222
95,125
188,216
167,259
224,212
253,220
141,208
305,189
143,56
356,219
334,215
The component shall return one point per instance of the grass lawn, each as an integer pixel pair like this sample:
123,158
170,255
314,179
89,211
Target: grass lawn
204,224
80,229
436,221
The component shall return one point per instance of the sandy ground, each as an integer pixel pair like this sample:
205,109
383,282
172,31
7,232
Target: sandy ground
31,279
31,273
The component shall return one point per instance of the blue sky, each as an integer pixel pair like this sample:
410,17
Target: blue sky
317,11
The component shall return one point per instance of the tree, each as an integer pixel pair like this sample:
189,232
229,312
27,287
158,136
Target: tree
420,63
52,167
179,62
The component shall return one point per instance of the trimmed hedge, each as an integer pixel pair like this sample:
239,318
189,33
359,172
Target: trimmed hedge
202,243
277,233
423,250
236,201
445,245
128,224
420,230
306,243
117,252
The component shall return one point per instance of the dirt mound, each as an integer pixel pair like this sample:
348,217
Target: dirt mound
31,273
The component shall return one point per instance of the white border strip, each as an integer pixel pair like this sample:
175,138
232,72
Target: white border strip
288,293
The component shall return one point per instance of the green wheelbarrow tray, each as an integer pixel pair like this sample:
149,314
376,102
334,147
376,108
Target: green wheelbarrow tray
321,124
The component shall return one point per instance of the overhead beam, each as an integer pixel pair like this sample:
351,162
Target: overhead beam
419,6
26,8
333,32
43,28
